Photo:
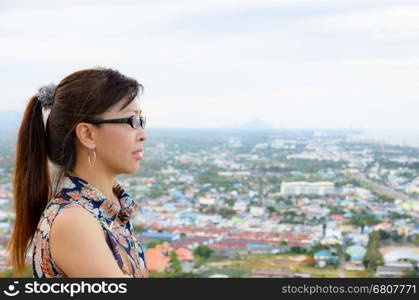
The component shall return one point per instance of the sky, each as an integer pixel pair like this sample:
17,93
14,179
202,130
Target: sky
347,64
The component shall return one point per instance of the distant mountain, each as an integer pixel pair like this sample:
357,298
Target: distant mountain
255,124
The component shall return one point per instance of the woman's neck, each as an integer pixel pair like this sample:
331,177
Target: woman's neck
104,183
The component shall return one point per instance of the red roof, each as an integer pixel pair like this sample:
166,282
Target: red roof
184,254
156,261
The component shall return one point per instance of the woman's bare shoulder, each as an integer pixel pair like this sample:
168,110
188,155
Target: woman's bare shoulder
78,245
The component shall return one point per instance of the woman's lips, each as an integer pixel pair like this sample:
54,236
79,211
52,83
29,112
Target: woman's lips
138,154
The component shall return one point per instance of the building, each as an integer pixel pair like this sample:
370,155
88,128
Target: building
296,188
159,235
356,252
400,255
322,258
257,211
396,263
206,201
156,260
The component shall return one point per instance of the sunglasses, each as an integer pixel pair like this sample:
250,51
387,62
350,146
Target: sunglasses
135,121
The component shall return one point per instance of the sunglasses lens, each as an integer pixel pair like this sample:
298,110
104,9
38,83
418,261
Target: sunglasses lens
138,121
135,122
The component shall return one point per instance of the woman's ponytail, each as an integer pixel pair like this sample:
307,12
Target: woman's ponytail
31,183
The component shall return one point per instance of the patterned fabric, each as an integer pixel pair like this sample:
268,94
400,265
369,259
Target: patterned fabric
115,222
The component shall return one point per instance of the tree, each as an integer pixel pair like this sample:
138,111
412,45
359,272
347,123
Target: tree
396,236
394,215
347,256
271,210
384,235
298,250
373,257
363,219
156,192
203,251
317,247
154,243
174,262
226,213
138,229
336,210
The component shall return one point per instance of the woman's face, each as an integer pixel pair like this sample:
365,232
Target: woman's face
116,142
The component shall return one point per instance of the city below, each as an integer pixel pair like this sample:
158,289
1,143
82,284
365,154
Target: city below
274,203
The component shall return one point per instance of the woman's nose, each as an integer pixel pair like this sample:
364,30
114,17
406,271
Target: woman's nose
142,135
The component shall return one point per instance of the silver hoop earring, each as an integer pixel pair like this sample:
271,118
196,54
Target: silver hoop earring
94,158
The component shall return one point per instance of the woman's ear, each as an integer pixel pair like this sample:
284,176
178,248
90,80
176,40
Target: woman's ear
85,134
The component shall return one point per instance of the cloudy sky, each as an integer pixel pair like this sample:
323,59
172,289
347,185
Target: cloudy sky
206,63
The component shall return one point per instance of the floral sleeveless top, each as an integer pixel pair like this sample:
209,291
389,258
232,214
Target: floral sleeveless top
115,222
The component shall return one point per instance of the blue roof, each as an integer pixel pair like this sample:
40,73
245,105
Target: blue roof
159,235
189,215
323,253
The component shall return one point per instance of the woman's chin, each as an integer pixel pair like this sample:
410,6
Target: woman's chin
133,170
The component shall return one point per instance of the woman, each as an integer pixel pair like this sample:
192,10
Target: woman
79,224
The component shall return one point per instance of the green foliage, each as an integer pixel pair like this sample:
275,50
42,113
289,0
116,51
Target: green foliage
211,176
384,235
316,248
226,213
10,274
156,192
396,236
336,210
297,250
154,243
394,215
203,251
351,181
373,257
271,209
153,274
174,262
138,229
364,218
312,166
385,198
230,202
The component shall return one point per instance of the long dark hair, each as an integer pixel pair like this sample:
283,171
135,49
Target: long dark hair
80,97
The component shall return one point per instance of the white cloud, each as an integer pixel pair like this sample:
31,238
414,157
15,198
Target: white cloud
388,23
212,63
